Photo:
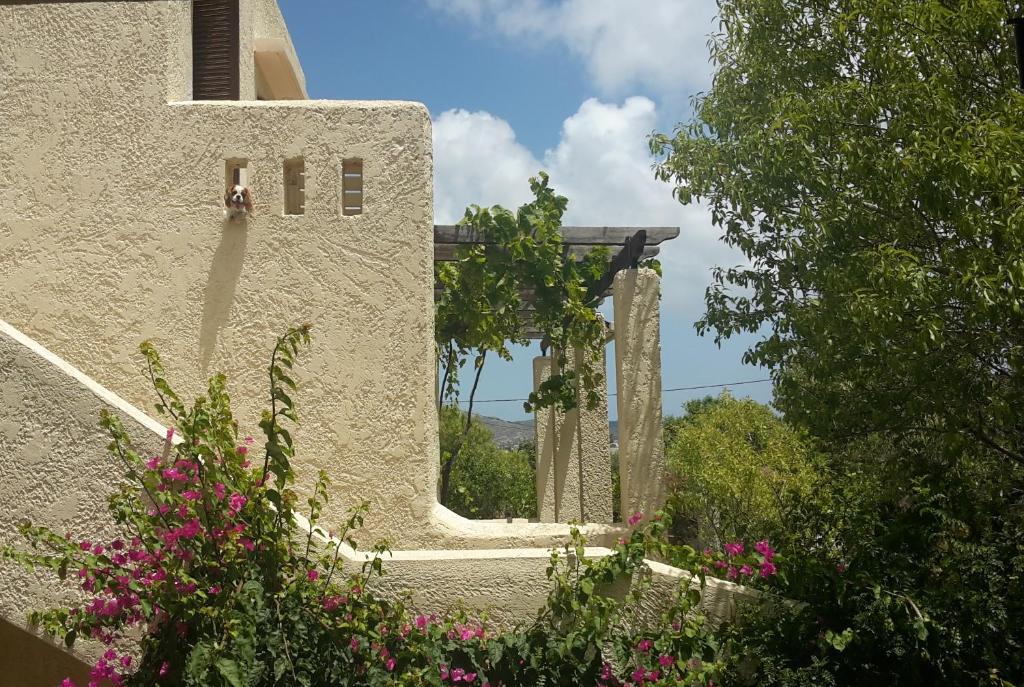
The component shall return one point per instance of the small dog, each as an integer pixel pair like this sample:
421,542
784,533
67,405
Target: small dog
237,203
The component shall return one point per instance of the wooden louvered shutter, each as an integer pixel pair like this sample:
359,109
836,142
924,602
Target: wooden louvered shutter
215,50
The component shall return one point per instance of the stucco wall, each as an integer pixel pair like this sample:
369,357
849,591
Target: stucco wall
111,231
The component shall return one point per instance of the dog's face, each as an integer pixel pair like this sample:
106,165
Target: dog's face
238,198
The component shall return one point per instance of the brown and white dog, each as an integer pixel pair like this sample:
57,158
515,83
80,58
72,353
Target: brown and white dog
237,203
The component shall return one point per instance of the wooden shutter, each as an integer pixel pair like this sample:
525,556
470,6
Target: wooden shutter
215,50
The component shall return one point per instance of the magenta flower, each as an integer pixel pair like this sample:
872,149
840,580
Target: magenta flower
390,665
457,674
840,567
153,463
218,490
665,660
644,645
312,575
164,668
421,622
242,450
67,683
191,495
639,675
170,435
767,569
746,570
443,669
469,677
734,549
354,644
85,545
765,549
733,573
635,518
720,564
236,502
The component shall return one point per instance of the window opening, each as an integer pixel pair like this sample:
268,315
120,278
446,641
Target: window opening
352,187
294,186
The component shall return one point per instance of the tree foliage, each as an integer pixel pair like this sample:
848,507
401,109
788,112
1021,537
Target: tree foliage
738,470
478,313
866,158
487,481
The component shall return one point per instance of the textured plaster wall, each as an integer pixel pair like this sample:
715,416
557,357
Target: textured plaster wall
56,468
112,231
636,298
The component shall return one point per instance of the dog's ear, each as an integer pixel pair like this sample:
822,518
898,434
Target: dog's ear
248,199
227,198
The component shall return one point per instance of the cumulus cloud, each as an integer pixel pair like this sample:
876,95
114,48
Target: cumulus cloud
658,45
601,163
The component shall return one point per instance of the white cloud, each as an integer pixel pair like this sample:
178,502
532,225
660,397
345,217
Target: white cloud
657,45
601,164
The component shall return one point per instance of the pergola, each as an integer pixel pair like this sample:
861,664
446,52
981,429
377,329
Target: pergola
573,458
628,246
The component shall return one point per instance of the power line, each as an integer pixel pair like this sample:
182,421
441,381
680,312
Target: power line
664,391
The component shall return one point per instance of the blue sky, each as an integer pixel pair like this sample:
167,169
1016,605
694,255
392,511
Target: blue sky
569,86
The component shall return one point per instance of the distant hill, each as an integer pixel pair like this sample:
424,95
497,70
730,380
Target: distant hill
509,434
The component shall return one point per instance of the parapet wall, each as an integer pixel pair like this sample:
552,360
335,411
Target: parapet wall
55,470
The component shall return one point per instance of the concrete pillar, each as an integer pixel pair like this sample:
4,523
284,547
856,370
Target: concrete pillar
595,457
567,455
558,453
543,433
636,300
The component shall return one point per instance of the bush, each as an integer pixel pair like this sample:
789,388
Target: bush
487,482
737,471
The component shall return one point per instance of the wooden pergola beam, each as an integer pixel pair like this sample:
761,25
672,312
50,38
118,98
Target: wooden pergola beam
578,236
448,252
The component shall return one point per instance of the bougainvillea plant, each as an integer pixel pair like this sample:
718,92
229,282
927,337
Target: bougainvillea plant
215,580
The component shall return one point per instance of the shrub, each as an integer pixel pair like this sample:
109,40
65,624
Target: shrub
737,469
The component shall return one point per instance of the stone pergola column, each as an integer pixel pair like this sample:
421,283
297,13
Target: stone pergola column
544,442
636,301
594,451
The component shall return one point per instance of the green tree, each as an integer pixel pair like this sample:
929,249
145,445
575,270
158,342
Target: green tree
737,471
866,158
487,482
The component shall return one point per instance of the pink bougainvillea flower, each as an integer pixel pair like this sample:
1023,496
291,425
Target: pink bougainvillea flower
312,575
247,544
733,573
734,548
85,545
249,440
219,490
354,644
767,569
164,668
67,683
644,645
421,622
765,549
840,567
390,665
153,463
665,660
443,669
242,450
170,433
746,570
191,495
469,677
639,675
635,518
457,674
720,564
236,502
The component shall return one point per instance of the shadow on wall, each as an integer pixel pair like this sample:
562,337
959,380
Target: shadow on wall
220,287
30,661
